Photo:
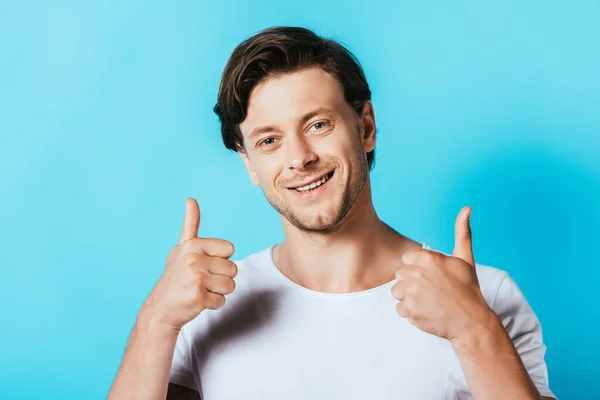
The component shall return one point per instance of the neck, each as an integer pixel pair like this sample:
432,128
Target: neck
364,252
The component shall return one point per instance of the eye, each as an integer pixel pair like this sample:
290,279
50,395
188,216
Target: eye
319,125
266,142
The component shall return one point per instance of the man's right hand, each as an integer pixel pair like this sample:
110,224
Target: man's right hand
198,274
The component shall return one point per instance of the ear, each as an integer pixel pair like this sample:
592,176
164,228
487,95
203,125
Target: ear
249,167
369,129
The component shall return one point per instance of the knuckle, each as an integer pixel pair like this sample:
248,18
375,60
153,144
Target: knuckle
400,308
191,259
215,302
230,285
397,291
207,300
409,304
195,241
428,257
199,293
412,289
417,273
234,269
467,231
399,274
192,297
408,270
436,257
200,279
191,245
186,246
210,304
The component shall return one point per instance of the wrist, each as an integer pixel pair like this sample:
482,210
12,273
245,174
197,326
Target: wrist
148,322
486,326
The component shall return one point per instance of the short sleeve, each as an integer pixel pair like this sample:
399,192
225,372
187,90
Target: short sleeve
525,331
182,365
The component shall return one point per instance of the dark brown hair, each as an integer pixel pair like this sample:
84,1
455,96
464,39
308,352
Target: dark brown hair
278,50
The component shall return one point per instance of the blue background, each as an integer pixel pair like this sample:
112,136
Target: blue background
107,127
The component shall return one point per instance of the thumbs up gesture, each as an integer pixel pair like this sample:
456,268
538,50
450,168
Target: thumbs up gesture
197,276
440,294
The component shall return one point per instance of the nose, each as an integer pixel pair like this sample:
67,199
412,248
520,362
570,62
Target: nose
300,154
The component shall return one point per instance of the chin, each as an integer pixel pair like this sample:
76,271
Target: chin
323,216
315,223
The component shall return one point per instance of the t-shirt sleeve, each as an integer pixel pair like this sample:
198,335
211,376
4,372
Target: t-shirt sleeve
182,369
525,330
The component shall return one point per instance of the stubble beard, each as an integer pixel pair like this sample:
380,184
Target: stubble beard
330,221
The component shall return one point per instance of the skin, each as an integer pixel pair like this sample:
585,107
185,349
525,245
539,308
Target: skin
334,243
338,244
330,241
198,275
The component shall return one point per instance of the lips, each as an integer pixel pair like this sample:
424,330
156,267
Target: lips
314,183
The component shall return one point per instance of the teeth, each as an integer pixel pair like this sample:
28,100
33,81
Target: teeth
313,185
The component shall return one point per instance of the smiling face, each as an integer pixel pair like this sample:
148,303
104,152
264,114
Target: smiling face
306,148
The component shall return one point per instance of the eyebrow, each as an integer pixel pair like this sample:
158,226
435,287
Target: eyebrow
270,128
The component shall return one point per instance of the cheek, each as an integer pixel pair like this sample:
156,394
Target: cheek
339,146
350,146
268,169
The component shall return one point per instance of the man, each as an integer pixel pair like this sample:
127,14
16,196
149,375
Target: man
345,307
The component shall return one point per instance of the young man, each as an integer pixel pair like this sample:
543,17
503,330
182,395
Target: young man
344,308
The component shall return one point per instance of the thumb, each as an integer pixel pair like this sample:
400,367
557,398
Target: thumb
463,241
191,223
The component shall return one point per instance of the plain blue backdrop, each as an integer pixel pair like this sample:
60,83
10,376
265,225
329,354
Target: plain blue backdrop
107,127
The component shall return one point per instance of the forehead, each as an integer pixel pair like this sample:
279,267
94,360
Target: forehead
283,99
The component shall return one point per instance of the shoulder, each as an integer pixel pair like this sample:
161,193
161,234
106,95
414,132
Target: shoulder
507,301
491,279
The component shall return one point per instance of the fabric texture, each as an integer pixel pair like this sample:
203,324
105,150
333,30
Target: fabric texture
275,339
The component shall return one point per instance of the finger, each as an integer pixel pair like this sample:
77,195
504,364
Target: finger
404,273
223,267
401,309
213,301
399,290
212,247
463,242
423,258
412,274
410,257
219,284
191,223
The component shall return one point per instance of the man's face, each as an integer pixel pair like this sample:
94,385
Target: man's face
299,130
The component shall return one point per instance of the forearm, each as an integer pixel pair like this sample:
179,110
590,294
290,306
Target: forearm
491,364
146,364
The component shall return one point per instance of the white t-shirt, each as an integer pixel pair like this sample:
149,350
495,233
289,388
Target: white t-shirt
275,339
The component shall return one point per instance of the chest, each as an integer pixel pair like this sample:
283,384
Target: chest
328,353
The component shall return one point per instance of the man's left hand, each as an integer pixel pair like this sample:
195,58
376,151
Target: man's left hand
440,294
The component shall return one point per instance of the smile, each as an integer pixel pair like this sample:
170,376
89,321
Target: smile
315,184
